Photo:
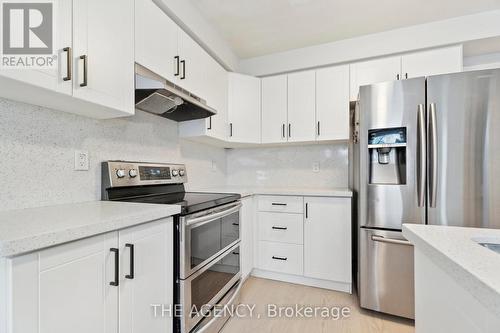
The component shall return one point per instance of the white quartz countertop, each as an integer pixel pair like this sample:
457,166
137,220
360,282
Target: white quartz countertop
474,267
301,191
30,229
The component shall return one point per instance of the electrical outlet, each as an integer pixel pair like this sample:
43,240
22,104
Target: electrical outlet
315,167
81,160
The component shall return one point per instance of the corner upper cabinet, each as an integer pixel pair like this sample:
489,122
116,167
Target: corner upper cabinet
332,103
244,108
274,109
301,106
432,62
373,71
103,41
151,26
216,95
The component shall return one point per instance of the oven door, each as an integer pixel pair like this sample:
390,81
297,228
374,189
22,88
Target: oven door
207,287
205,235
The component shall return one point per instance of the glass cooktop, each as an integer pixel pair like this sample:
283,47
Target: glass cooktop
191,202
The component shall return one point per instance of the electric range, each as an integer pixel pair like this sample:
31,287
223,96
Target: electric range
206,250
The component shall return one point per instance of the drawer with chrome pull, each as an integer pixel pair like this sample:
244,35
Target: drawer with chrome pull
280,227
284,204
281,257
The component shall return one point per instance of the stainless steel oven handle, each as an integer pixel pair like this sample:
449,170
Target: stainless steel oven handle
199,221
390,240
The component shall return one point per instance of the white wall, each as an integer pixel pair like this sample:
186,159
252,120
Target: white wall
486,61
37,148
289,166
446,32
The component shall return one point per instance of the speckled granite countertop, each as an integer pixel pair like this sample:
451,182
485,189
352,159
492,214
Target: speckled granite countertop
31,229
300,191
454,249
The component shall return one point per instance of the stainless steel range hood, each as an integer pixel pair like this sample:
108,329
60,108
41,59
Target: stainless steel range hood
156,95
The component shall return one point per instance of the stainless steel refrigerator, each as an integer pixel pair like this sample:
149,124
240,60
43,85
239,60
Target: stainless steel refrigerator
427,151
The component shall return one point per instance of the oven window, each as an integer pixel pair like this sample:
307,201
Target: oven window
210,238
207,285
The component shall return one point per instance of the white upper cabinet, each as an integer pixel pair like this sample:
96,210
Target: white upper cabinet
94,42
58,79
332,103
432,62
152,25
103,41
192,68
274,109
216,95
327,239
244,108
301,106
374,71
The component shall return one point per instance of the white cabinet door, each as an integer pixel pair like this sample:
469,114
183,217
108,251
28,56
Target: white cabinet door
301,106
103,40
374,71
274,109
247,236
193,62
216,97
327,239
65,288
53,79
244,108
155,39
432,62
146,276
332,103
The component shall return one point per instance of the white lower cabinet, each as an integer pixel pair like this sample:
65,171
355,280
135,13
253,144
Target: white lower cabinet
247,236
83,286
309,245
281,257
327,239
148,280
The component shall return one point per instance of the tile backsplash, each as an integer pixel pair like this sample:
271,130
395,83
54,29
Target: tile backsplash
289,166
37,147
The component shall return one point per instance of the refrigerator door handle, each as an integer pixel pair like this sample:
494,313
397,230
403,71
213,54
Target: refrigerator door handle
421,153
433,155
383,239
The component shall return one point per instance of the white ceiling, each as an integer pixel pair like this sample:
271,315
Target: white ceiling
258,27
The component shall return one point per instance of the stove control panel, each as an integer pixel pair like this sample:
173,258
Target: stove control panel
123,173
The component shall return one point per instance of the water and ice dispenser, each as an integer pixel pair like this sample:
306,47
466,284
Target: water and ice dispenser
387,156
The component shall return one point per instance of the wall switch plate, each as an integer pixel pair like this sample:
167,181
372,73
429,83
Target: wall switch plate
81,160
315,167
214,166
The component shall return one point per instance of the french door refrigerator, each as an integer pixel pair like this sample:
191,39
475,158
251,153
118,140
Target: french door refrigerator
427,151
